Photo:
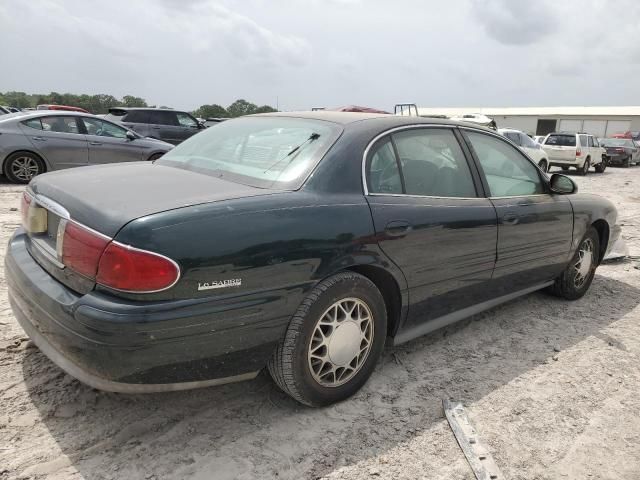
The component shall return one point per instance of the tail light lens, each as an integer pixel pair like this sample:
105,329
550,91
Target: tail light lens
578,153
113,264
126,268
82,248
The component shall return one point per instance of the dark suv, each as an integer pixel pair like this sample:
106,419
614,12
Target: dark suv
164,124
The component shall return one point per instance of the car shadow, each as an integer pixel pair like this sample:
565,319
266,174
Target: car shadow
255,430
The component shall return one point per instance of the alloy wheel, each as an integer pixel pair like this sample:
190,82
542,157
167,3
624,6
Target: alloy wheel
341,342
584,263
24,168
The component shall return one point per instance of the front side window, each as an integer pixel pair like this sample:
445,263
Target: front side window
513,136
266,152
186,120
591,144
433,164
507,171
60,124
103,129
383,174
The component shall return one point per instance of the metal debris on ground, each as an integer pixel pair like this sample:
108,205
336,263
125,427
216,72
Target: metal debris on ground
478,456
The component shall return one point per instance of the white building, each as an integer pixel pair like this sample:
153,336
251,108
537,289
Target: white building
599,121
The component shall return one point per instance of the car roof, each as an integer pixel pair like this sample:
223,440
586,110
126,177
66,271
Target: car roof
348,118
43,113
151,109
510,130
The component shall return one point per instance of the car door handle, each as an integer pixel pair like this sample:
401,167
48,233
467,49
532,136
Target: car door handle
95,143
510,218
397,228
40,139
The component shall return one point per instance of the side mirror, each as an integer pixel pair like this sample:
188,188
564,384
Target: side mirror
201,125
131,135
562,184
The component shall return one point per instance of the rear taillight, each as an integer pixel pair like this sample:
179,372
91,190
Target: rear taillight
113,264
129,269
578,152
24,208
82,248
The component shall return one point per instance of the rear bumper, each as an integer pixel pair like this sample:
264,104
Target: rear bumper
135,347
559,162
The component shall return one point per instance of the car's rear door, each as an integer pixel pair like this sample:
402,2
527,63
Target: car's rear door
165,126
535,227
59,140
431,220
108,143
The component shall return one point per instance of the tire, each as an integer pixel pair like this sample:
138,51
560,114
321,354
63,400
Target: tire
568,284
565,169
308,379
626,163
543,165
585,167
601,167
21,167
155,156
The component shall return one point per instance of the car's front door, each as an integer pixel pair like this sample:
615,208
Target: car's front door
189,125
535,227
108,143
431,220
58,140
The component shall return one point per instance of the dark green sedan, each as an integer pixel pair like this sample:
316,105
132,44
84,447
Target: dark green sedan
299,242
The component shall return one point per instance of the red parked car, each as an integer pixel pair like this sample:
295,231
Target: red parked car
62,107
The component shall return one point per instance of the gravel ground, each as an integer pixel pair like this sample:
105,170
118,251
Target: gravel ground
552,387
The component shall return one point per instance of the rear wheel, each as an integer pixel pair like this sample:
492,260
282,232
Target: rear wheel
585,167
333,342
543,165
574,282
21,167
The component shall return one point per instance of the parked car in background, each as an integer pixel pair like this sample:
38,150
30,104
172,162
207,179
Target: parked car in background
528,146
32,143
4,110
294,242
621,151
539,138
64,108
210,122
635,136
172,126
578,150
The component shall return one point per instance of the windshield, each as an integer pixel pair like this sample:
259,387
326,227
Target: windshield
266,152
616,142
561,140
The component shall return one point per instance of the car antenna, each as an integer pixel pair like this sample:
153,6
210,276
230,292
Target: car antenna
312,137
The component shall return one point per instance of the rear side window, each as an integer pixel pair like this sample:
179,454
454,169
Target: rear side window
136,116
163,118
591,142
583,141
383,172
561,140
33,123
433,164
60,124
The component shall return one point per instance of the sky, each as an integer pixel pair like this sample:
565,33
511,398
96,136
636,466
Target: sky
300,54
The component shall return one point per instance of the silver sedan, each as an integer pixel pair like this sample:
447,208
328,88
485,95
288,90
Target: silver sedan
37,142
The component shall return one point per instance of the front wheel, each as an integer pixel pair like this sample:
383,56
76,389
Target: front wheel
565,169
333,341
575,280
626,163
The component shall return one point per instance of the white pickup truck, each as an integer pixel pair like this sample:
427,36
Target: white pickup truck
579,150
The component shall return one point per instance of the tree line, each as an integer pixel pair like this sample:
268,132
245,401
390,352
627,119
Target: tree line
101,103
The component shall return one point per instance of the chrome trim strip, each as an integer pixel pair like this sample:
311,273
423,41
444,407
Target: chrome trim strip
129,247
100,383
52,206
47,252
423,196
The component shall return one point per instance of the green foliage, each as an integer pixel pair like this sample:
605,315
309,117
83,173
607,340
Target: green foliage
101,103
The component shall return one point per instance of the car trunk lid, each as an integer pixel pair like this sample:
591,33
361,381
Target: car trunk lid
106,198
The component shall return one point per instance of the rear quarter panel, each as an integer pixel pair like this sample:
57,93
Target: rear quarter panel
278,247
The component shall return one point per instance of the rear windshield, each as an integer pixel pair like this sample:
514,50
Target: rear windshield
561,140
264,152
616,142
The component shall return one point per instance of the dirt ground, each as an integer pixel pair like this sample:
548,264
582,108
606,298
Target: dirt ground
552,387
